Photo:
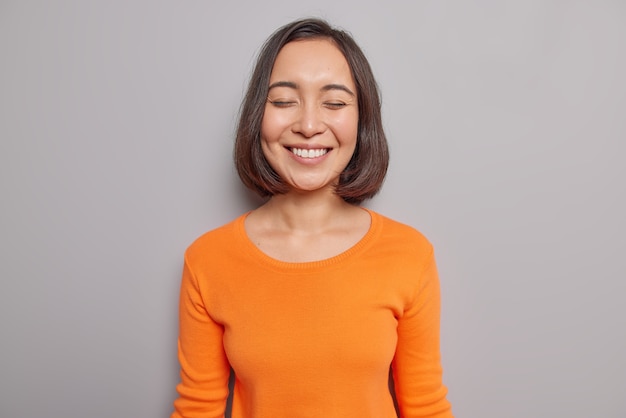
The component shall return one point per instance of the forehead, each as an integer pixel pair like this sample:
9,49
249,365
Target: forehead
311,60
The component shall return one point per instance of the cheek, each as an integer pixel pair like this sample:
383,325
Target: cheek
346,127
266,126
272,125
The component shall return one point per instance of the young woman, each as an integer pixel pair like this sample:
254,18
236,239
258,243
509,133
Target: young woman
310,298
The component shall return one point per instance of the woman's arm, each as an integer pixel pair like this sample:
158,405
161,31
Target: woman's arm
204,368
417,367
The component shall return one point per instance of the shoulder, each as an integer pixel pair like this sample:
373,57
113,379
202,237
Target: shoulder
216,240
400,246
401,233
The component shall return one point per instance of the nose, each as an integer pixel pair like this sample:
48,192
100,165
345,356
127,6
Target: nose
309,121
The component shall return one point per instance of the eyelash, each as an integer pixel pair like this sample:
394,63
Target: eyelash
283,104
334,105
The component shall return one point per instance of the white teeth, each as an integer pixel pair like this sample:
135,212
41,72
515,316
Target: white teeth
309,153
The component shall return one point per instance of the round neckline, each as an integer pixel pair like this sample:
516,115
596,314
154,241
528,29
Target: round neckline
267,260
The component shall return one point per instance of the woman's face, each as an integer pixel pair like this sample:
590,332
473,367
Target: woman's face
309,129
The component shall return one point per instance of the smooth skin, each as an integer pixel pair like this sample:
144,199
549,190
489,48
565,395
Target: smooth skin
308,135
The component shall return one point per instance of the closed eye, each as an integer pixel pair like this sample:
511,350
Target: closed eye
334,105
281,103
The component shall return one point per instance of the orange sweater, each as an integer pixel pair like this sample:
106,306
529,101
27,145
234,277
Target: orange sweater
311,339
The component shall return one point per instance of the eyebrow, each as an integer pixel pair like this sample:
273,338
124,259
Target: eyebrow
289,84
328,87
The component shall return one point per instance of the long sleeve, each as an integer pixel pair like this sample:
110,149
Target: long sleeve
417,365
204,368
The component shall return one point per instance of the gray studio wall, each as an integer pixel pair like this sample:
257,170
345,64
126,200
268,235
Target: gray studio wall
507,126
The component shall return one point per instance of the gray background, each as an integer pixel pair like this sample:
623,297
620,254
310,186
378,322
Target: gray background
507,126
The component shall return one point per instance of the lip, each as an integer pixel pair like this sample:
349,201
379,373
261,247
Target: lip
308,148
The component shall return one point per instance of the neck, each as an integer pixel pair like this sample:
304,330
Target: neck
307,212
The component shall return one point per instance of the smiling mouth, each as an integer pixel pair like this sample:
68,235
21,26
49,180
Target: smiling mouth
309,153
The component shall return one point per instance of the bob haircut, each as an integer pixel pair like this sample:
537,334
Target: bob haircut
364,175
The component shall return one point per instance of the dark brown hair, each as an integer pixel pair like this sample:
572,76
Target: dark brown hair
365,173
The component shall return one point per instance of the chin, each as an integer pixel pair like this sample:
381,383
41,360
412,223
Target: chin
305,187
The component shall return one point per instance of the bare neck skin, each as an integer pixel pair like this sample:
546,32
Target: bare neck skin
303,227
